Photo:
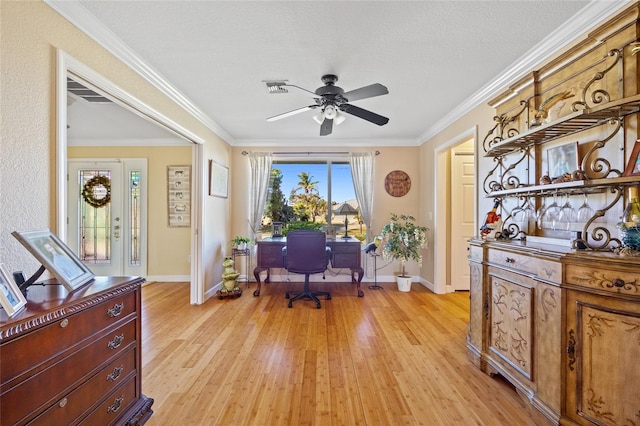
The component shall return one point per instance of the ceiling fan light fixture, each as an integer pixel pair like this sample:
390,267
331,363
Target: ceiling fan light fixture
330,112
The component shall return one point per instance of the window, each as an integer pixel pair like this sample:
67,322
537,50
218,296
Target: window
305,194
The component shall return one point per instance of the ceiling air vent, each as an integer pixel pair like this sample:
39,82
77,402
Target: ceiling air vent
83,92
276,86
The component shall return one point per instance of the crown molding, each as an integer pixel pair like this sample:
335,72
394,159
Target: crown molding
577,27
86,22
297,143
127,142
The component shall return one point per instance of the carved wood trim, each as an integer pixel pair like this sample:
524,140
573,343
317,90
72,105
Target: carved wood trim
20,327
600,280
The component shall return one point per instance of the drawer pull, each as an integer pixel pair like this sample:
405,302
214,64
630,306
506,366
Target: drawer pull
116,310
64,323
116,405
62,402
116,342
618,282
510,260
571,349
113,376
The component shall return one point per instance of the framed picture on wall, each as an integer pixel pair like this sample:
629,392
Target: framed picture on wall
218,180
179,195
56,257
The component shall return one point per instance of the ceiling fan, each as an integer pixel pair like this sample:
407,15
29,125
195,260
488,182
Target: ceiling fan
333,100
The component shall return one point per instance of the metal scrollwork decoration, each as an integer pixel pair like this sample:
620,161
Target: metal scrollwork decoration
601,167
97,191
490,183
598,96
500,131
601,238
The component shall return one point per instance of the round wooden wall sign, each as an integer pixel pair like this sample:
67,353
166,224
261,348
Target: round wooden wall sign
397,183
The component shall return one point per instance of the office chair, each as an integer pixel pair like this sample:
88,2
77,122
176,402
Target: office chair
306,253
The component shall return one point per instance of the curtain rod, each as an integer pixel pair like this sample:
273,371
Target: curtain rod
310,153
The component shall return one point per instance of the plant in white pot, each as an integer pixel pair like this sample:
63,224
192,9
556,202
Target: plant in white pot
240,243
403,240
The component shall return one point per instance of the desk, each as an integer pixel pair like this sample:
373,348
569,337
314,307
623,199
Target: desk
344,254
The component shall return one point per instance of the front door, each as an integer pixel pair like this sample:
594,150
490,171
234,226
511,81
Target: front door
106,221
95,215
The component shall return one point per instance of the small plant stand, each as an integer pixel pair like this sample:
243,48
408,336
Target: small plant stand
375,285
246,253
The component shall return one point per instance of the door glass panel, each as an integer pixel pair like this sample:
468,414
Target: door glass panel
95,216
134,212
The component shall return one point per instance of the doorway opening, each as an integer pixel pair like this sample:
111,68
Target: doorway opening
122,103
456,157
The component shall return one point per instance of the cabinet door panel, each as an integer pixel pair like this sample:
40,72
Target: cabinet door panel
511,324
603,377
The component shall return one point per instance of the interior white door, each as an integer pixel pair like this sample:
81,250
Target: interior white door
462,215
96,224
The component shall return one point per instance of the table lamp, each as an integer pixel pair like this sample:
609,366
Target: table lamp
345,209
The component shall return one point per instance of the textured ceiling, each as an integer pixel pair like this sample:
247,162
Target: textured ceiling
432,55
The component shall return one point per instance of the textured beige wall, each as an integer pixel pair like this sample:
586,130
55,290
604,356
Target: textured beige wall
160,261
31,34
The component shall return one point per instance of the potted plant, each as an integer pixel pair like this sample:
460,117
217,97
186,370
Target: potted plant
403,240
240,243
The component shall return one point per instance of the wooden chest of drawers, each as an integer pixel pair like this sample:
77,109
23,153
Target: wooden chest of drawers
73,358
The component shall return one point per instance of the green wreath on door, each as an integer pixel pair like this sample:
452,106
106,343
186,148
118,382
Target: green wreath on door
93,193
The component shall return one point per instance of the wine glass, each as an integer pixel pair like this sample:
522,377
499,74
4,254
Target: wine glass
540,213
585,212
517,213
551,212
529,210
567,214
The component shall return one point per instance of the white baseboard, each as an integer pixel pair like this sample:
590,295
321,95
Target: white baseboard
212,291
169,278
427,284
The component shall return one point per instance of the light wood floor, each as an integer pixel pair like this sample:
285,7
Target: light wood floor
388,358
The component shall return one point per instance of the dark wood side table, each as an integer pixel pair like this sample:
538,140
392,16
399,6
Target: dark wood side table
345,253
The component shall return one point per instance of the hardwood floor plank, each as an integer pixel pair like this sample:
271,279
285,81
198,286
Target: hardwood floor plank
388,358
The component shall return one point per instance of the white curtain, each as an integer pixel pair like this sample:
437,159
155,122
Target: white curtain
260,163
362,175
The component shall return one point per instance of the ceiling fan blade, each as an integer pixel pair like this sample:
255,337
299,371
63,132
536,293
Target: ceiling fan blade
326,127
369,91
364,114
290,113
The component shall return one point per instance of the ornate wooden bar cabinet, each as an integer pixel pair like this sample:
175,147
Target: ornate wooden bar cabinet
555,305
